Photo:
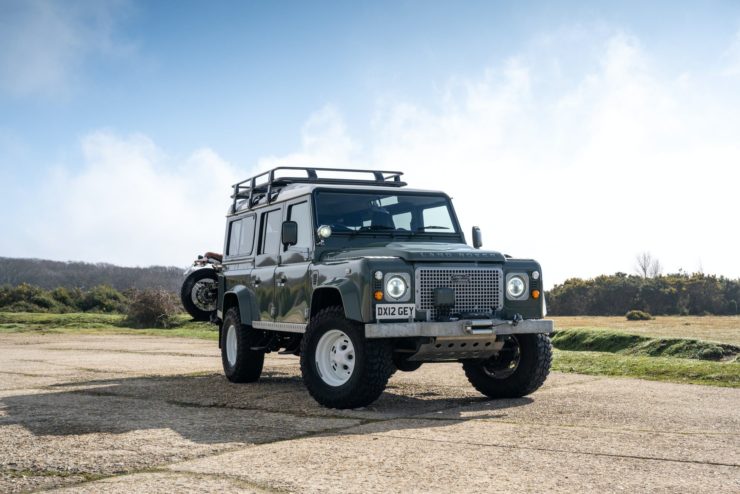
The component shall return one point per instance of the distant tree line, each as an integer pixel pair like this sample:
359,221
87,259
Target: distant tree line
85,276
672,294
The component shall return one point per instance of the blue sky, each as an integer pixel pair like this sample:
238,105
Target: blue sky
621,117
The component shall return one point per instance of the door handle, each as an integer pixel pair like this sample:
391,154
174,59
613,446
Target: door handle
282,280
256,281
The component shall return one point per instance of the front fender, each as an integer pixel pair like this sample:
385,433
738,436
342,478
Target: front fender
246,300
350,295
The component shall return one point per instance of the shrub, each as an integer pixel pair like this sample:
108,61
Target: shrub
28,298
151,308
638,315
102,298
63,297
22,306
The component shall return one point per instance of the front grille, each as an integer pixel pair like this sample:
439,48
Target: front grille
476,289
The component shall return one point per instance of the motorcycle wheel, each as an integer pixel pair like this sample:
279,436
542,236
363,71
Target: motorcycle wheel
198,293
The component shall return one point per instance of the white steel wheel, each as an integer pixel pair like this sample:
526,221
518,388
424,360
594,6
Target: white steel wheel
231,345
335,357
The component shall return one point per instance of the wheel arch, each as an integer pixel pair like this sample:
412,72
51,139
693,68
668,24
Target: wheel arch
341,293
242,298
245,300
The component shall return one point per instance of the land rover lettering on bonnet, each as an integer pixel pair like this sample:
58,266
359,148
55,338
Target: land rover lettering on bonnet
361,276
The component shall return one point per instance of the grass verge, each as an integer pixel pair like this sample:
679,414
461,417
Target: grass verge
631,344
671,369
681,360
90,323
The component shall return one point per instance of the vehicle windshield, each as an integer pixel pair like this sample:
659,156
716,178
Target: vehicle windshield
377,212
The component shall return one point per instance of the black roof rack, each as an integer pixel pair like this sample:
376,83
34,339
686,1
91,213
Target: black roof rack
266,183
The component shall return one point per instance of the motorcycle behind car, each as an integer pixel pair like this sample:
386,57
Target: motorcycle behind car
200,289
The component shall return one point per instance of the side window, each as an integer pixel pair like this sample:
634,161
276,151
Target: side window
301,214
246,241
271,223
235,229
241,237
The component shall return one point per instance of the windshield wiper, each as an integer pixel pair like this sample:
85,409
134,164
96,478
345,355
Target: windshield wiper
432,227
374,228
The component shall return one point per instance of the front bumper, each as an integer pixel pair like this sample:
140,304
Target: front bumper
457,329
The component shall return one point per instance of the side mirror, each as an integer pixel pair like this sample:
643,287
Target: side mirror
477,239
289,235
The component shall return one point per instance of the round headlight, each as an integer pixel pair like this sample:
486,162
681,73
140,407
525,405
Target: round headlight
396,287
515,287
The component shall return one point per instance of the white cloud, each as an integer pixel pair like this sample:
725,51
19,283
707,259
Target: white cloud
731,57
324,142
131,204
617,161
45,43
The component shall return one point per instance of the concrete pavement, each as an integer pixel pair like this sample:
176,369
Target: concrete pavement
94,413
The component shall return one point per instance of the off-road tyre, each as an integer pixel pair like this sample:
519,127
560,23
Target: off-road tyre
535,358
186,293
245,365
403,364
373,365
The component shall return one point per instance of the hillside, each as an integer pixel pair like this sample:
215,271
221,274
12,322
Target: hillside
52,274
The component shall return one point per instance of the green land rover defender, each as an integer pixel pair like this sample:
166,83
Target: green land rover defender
360,276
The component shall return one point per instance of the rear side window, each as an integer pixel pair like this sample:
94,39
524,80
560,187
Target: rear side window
235,230
246,242
241,237
302,215
271,223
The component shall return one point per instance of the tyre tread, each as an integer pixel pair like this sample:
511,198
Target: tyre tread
519,384
375,374
249,362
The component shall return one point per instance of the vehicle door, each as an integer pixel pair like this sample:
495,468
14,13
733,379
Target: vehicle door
263,274
292,286
238,252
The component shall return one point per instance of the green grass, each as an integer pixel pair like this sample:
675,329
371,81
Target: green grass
611,353
631,344
90,323
671,369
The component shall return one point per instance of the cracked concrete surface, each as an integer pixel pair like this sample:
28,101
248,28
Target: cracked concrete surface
93,413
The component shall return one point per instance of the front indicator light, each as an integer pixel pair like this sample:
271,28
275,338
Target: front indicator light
535,294
378,295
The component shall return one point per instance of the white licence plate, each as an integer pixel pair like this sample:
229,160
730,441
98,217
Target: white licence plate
394,311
